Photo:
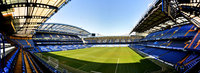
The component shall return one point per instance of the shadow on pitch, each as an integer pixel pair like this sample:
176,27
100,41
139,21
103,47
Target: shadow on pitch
144,66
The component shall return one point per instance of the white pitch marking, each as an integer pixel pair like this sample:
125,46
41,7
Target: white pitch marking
117,66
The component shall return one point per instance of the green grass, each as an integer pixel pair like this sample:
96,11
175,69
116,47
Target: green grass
105,60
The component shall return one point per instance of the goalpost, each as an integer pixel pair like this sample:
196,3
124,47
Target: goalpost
54,62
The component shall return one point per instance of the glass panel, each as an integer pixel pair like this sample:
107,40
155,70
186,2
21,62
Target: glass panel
55,26
39,20
28,20
14,1
4,1
44,1
51,2
8,2
20,25
58,1
45,11
43,26
30,11
22,20
48,11
43,21
33,1
35,10
61,3
22,11
16,12
29,1
22,1
51,13
39,1
33,20
39,11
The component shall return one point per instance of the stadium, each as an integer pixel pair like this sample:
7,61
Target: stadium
165,40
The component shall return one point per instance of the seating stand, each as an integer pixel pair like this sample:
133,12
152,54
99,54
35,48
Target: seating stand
3,55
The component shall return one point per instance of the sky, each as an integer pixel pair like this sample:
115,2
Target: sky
105,17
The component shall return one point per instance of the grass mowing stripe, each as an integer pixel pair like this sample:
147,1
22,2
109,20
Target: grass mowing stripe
117,65
105,60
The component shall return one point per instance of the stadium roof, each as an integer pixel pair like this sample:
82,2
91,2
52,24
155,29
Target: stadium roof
62,28
28,15
155,20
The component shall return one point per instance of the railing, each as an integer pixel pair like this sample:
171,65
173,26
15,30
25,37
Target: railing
60,39
192,18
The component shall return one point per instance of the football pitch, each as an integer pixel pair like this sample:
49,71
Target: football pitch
105,60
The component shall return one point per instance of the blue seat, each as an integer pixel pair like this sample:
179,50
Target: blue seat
173,56
10,62
159,52
6,70
170,33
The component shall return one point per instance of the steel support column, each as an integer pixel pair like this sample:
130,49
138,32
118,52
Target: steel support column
0,53
3,56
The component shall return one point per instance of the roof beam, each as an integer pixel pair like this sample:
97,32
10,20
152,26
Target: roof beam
16,5
32,17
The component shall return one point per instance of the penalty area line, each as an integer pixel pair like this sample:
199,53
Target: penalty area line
117,66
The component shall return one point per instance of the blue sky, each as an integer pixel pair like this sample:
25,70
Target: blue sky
106,17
